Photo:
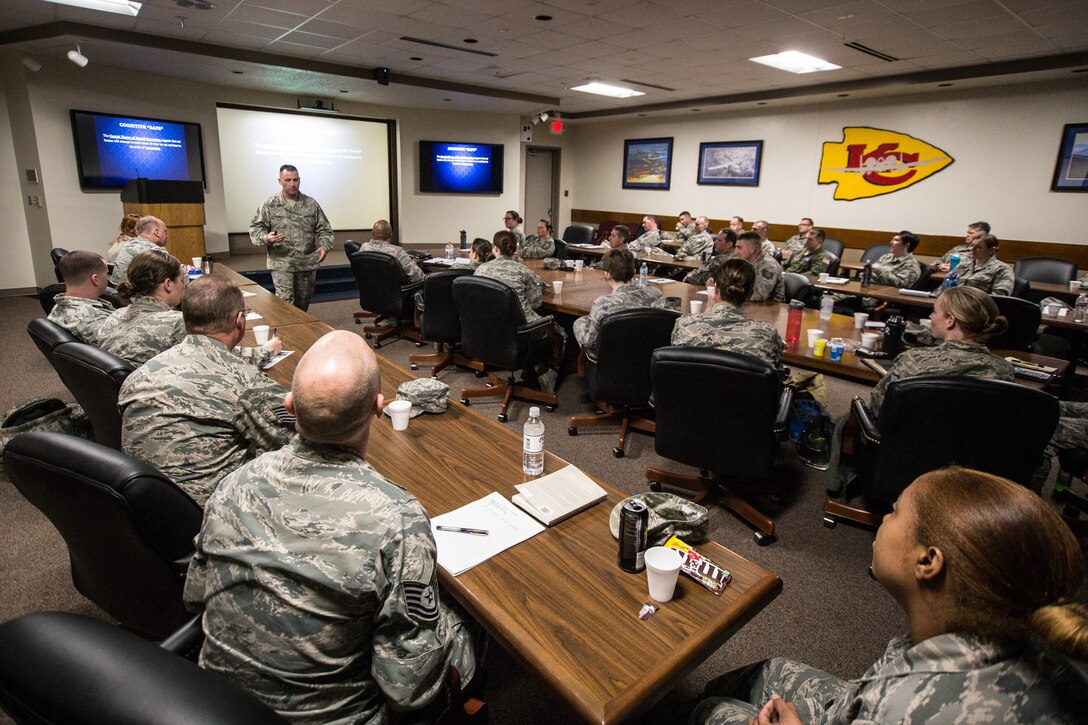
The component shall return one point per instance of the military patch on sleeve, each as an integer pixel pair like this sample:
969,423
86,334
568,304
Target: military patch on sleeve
767,273
421,600
283,416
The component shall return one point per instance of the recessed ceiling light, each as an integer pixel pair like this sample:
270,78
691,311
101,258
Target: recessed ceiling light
238,72
121,7
761,103
604,89
343,90
415,57
844,95
641,115
447,99
943,85
543,18
471,40
696,110
795,62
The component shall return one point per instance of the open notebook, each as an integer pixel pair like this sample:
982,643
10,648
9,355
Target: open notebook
559,495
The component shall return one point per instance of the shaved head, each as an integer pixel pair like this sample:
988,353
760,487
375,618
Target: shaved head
382,230
335,389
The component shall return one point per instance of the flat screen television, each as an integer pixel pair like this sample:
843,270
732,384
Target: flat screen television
110,150
460,168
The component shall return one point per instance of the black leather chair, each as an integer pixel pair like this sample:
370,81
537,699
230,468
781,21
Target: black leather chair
603,230
578,234
57,667
351,247
55,255
1021,288
1024,318
94,378
494,331
834,246
833,267
47,293
1044,269
722,412
931,421
798,286
923,282
439,323
129,529
48,336
560,249
618,373
385,290
873,253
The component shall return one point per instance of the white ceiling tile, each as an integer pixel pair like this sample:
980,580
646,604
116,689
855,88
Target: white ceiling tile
450,16
334,30
551,39
356,16
264,16
962,12
299,7
253,30
735,16
1071,13
318,41
981,27
400,7
236,39
642,15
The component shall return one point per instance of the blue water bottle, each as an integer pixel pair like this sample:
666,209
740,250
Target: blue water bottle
951,280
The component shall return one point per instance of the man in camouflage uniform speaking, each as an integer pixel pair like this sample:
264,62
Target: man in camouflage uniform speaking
316,574
298,236
194,411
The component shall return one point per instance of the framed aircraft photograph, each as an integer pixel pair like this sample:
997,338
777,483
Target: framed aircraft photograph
647,163
736,163
1071,172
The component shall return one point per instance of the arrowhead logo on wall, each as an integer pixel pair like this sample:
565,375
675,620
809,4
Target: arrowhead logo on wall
873,161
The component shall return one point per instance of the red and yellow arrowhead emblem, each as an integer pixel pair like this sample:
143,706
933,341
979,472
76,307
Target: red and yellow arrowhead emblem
873,161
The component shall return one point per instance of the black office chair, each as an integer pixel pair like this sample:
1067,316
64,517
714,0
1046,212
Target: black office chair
1021,288
931,421
923,282
833,267
579,234
48,336
618,373
560,249
873,253
55,255
834,246
129,529
440,324
57,667
1044,269
385,290
722,412
47,293
798,287
604,229
494,331
94,378
1024,318
351,247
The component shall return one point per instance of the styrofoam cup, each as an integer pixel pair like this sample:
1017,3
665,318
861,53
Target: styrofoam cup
198,262
557,286
399,412
260,334
860,318
578,264
662,570
870,340
813,335
696,306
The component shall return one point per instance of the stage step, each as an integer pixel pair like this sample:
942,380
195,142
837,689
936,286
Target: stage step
334,282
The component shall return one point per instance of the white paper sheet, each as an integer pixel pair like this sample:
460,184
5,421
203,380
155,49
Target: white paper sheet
506,526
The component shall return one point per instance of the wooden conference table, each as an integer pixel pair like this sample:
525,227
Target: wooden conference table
558,602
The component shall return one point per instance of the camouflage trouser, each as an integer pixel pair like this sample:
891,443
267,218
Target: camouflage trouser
738,695
1071,433
295,287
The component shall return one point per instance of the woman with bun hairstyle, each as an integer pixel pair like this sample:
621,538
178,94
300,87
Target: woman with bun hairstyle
724,325
481,251
986,573
512,222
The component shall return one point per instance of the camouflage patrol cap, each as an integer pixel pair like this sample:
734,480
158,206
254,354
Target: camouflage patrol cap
426,395
551,263
669,515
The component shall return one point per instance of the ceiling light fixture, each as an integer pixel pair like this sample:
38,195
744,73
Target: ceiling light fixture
795,61
31,64
605,89
121,7
77,57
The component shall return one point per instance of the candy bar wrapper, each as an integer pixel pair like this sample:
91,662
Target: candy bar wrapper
700,568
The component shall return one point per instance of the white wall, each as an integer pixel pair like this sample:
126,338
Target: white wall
1004,141
88,220
17,270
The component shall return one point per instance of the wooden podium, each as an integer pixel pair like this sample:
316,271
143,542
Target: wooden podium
180,204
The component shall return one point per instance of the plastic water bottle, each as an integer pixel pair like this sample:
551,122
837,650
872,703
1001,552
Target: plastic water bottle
827,305
951,280
449,250
532,446
642,275
1080,312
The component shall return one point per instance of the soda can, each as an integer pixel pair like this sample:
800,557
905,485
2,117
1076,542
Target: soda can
634,523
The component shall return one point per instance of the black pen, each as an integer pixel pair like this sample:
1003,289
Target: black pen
463,530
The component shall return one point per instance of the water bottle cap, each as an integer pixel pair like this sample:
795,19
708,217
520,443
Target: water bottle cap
534,412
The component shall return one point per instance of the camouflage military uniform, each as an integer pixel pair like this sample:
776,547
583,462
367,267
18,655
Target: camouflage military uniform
411,269
318,584
795,245
648,242
80,316
810,263
768,248
961,249
901,272
195,410
952,678
534,247
993,276
293,262
1071,434
695,246
529,287
124,258
727,328
624,297
769,285
684,231
148,326
951,357
701,275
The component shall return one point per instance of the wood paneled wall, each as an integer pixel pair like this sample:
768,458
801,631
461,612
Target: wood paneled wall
932,245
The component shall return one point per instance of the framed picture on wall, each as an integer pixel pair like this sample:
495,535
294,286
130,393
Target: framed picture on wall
736,163
647,163
1071,172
